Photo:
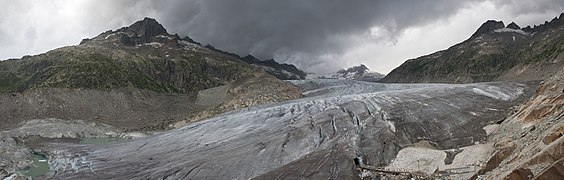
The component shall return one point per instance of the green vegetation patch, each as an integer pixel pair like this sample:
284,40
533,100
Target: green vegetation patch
106,69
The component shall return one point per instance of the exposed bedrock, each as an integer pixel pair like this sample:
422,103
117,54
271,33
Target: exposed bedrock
318,136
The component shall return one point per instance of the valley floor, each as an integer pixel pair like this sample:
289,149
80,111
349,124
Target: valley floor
322,135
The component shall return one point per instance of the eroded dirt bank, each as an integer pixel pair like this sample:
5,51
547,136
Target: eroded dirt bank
129,109
529,143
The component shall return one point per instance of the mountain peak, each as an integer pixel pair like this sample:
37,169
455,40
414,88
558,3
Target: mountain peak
512,25
360,72
141,32
148,27
250,58
360,69
488,27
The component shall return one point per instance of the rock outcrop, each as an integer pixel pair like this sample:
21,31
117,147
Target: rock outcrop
281,71
144,31
146,28
488,27
512,25
535,130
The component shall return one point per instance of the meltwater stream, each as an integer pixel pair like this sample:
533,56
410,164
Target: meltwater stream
318,136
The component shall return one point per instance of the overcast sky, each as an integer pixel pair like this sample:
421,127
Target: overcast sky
316,35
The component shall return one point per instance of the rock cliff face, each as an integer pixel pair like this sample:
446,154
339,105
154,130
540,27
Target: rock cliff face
493,53
146,28
529,142
512,25
488,27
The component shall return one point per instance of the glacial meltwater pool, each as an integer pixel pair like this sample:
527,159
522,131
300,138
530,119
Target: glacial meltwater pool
39,166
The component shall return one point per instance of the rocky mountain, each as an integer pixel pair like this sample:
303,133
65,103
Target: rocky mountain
281,71
493,52
142,56
127,69
360,73
136,79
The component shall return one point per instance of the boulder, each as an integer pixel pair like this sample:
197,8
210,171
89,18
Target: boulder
555,171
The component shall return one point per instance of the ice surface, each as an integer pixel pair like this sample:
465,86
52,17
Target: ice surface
314,137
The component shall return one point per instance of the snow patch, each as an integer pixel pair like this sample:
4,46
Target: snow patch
154,44
192,46
110,35
165,37
347,75
494,92
504,30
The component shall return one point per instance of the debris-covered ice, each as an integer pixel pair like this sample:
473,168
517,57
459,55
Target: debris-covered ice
318,136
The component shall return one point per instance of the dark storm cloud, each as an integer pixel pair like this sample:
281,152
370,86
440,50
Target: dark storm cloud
520,7
295,27
316,35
